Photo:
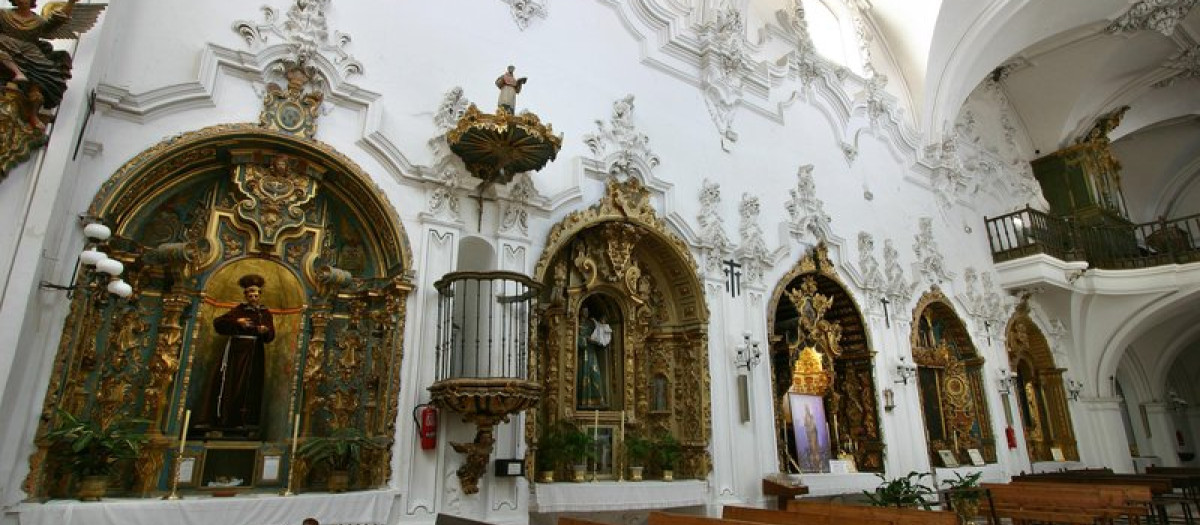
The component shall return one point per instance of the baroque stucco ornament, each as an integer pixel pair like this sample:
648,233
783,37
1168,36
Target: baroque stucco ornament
929,257
714,244
273,196
873,282
1186,65
291,109
807,212
524,11
724,64
1157,15
753,252
305,29
619,145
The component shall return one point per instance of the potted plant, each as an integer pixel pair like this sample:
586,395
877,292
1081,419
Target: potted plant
638,449
549,453
91,451
340,451
901,492
963,493
577,446
667,451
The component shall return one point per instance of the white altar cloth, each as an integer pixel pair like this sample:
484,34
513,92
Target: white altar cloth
612,495
371,507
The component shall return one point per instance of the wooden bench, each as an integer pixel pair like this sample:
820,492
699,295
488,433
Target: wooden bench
897,516
1057,503
667,518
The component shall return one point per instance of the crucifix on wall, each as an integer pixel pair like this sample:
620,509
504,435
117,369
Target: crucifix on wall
733,276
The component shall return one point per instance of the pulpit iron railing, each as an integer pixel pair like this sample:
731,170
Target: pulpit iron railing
483,326
1029,232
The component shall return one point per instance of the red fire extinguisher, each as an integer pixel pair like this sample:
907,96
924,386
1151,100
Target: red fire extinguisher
1011,436
426,417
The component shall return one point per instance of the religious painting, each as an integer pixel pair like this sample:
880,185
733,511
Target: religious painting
214,371
811,431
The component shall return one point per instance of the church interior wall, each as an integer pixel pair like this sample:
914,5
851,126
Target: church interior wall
159,81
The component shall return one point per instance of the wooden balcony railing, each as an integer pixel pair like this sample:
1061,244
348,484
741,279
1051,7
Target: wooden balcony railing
1029,231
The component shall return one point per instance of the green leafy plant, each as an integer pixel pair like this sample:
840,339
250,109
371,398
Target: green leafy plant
638,449
667,451
577,445
906,491
341,449
549,448
964,494
94,450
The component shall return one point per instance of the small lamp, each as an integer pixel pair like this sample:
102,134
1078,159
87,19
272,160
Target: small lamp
905,371
889,399
748,354
1074,388
1006,382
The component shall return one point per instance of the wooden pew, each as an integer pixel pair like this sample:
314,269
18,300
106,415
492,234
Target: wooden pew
567,520
1069,504
667,518
897,516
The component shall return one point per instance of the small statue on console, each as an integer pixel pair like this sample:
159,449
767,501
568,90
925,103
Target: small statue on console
509,86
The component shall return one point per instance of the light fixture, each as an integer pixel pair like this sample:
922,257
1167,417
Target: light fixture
1007,381
889,399
1177,401
748,354
1074,388
91,258
905,371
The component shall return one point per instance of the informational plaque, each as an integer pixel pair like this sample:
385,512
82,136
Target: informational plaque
976,457
270,469
948,459
1057,454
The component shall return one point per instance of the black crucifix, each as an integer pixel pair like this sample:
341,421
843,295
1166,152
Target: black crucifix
733,276
886,319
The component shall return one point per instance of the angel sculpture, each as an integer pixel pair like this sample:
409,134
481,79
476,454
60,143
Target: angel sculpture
29,61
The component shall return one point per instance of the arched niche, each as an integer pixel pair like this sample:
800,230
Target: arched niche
950,383
1039,393
811,308
618,260
190,217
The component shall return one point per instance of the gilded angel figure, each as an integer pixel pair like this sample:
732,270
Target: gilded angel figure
28,59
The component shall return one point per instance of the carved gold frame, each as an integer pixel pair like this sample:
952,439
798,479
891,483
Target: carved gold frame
816,262
966,373
1028,350
161,170
626,221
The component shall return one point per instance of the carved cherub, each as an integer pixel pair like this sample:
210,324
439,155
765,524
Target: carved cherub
30,63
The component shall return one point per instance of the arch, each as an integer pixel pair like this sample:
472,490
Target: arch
177,160
190,212
1148,316
617,258
950,381
1039,393
843,341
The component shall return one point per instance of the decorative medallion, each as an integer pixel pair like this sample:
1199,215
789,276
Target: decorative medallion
291,110
273,196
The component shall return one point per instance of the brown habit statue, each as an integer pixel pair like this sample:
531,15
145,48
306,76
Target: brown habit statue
232,400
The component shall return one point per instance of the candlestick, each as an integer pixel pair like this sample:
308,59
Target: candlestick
187,418
295,434
292,459
622,427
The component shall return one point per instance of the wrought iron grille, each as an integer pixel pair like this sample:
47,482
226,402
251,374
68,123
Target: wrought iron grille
484,322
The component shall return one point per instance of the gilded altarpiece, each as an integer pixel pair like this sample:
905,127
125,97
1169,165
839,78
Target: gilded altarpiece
616,264
950,382
1039,394
820,346
191,216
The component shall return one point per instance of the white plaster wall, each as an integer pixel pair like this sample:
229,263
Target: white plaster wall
177,67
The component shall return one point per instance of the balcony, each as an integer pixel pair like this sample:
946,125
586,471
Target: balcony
1117,247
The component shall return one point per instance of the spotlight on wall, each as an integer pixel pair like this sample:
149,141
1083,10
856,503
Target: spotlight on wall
95,262
748,355
1074,388
889,399
905,371
1007,381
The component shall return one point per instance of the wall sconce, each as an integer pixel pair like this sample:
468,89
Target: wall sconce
1177,402
96,260
1074,388
1007,381
748,354
905,371
889,399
